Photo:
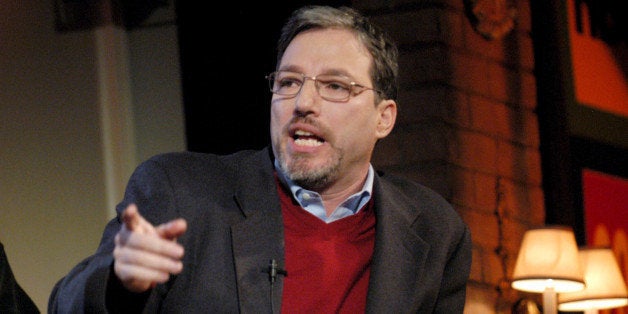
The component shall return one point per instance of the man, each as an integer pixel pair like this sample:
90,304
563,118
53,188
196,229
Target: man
304,226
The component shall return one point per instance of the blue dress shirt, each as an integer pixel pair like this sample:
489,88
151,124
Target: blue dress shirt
313,202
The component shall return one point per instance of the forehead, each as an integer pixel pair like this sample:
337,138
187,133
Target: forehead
334,50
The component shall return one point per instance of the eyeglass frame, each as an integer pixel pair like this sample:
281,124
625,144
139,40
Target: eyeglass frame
352,85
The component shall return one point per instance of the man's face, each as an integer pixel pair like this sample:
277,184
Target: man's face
322,144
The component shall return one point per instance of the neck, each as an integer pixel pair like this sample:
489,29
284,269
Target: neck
340,191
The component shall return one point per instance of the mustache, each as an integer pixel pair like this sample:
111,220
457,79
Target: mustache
323,131
304,120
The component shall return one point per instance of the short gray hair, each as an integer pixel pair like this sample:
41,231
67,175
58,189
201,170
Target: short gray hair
384,69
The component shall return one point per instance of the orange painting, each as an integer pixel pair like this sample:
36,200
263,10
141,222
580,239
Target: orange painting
599,79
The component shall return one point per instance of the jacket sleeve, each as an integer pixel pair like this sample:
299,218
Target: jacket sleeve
91,283
84,288
452,294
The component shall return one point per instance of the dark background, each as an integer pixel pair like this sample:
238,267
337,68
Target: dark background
225,54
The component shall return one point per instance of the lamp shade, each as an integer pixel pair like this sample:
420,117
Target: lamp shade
605,286
548,258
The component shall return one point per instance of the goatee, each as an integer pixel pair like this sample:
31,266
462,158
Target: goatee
301,172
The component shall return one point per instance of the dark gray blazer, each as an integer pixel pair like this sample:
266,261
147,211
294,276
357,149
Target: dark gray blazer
421,261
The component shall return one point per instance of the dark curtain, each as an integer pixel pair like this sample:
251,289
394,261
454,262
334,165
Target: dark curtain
226,50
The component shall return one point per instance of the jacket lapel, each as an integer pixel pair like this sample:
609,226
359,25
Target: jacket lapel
259,237
399,256
398,260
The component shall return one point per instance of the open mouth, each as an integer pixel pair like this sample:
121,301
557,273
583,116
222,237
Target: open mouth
304,138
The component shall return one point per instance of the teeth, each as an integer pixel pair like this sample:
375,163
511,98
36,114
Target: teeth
308,142
304,138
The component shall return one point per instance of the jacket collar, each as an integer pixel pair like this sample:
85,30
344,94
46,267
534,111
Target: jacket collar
258,239
400,253
399,256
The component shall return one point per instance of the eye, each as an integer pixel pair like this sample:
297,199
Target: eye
336,86
289,82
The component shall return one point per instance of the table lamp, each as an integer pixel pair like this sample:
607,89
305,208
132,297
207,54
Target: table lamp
605,286
548,263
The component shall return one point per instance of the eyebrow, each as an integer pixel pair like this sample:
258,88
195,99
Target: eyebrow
290,68
339,72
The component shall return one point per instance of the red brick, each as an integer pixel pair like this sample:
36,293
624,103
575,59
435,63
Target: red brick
524,18
489,117
523,202
528,90
524,56
474,150
483,228
481,47
466,122
523,127
493,269
453,24
463,187
479,299
468,73
511,86
439,102
520,163
485,193
516,124
476,264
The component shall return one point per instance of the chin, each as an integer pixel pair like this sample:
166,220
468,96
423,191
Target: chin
311,175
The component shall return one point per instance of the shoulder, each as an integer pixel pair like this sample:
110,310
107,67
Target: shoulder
193,158
430,215
418,203
195,162
193,171
408,190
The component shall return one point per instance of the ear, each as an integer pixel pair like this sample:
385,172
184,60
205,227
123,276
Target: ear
387,115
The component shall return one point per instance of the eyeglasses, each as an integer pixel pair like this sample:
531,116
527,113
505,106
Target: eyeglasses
329,87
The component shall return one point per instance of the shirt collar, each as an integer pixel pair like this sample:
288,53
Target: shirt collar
351,205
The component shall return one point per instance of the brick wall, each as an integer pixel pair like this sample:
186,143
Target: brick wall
468,129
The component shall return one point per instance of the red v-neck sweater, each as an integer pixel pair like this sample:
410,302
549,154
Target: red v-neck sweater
328,265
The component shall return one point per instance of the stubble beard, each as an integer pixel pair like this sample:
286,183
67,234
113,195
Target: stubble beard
301,171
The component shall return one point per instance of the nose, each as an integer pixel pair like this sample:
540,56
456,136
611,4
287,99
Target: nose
307,100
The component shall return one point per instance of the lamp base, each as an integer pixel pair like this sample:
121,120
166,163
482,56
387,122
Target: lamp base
549,301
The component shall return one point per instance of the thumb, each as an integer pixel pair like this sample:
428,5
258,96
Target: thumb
172,229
